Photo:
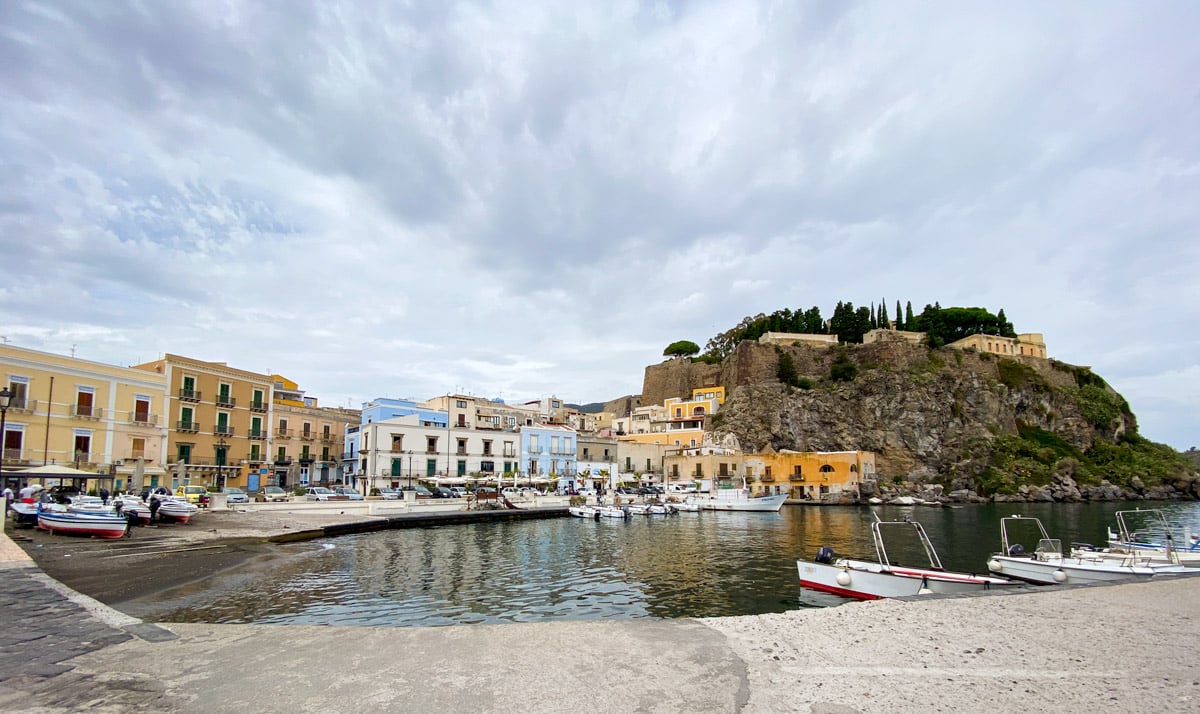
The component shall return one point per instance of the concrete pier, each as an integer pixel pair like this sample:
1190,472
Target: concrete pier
1129,647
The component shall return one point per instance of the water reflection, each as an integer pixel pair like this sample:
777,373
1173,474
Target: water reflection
689,565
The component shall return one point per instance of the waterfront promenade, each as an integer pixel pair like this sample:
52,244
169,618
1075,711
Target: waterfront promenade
1127,647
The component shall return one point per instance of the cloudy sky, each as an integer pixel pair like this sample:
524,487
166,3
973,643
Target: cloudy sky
519,199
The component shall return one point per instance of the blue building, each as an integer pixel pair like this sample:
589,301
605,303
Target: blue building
548,451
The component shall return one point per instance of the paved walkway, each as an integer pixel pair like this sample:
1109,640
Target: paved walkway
1118,648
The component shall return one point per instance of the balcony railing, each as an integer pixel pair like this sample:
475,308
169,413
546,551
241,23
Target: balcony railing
21,404
138,454
283,433
84,411
330,438
535,449
143,418
258,405
256,434
187,426
224,400
255,458
223,429
306,435
766,478
83,457
349,456
283,460
189,395
14,456
796,477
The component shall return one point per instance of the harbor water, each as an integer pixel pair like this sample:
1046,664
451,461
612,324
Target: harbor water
686,565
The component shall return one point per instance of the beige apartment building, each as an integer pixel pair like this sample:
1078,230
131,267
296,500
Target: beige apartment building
216,418
307,441
94,417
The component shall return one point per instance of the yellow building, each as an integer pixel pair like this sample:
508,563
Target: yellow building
678,422
308,440
809,475
217,419
791,338
94,417
1029,344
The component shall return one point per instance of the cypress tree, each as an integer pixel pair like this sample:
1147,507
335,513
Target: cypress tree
910,323
899,317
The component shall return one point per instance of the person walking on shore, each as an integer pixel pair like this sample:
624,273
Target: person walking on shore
8,499
154,504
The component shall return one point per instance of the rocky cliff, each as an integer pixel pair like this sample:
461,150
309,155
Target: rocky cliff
963,420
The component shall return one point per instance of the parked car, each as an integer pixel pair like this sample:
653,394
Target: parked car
484,493
348,492
193,494
318,493
441,492
422,492
390,494
459,491
271,494
236,495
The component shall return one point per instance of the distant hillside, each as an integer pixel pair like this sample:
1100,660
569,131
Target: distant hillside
965,420
592,408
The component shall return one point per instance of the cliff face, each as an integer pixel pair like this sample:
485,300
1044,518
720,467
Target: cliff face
964,419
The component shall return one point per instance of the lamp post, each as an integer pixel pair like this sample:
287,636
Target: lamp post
5,398
220,462
410,469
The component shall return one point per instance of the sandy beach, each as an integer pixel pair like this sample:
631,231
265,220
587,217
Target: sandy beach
165,556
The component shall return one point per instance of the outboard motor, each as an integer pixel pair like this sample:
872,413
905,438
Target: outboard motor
1016,550
825,555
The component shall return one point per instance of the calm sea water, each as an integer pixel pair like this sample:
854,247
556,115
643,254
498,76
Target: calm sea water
687,565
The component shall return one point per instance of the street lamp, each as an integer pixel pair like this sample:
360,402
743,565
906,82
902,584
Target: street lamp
5,398
220,463
410,469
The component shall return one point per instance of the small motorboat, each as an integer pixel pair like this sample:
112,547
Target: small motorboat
613,512
866,580
176,508
1046,564
1146,533
584,511
91,524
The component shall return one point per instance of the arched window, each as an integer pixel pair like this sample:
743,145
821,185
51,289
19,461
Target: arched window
699,411
853,468
826,469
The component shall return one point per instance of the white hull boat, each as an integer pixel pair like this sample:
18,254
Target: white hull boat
1145,533
613,512
176,509
738,499
1047,565
583,512
684,507
865,580
92,524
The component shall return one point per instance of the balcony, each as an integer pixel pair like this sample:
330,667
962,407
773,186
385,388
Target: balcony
330,439
258,405
283,433
766,478
189,395
21,404
187,426
224,400
283,461
83,458
86,411
15,457
796,477
255,458
137,454
306,436
535,449
223,430
349,456
460,452
307,458
143,419
256,434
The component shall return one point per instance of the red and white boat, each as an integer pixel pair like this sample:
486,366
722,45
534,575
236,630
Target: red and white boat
92,524
866,580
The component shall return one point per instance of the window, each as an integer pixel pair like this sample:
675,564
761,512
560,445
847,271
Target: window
431,445
223,397
14,437
304,453
487,466
137,448
307,429
258,401
141,409
223,423
185,419
189,388
84,396
487,447
281,455
795,470
397,442
554,444
324,453
462,446
724,470
462,468
585,453
18,387
460,404
183,453
397,468
533,444
256,430
256,452
326,433
678,412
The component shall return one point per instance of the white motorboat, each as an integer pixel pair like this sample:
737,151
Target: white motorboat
93,524
613,512
176,508
584,511
866,580
1048,566
638,509
738,499
684,507
1146,533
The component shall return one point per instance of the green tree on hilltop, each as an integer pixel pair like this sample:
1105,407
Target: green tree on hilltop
682,348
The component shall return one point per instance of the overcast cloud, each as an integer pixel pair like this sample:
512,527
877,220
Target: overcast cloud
519,199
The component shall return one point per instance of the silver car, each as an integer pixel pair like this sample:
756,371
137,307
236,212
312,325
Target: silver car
236,495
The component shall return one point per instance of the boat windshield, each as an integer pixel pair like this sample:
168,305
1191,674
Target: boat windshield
1049,546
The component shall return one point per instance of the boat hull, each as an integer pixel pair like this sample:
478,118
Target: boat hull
1075,571
766,504
864,580
83,524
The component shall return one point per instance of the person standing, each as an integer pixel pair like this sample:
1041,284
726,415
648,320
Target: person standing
8,499
104,495
154,504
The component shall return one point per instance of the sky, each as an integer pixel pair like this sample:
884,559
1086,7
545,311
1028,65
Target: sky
524,199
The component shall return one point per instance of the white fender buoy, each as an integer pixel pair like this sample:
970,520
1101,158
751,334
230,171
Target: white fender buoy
1060,576
995,565
843,578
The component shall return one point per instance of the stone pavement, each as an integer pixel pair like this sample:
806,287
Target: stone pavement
1127,647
